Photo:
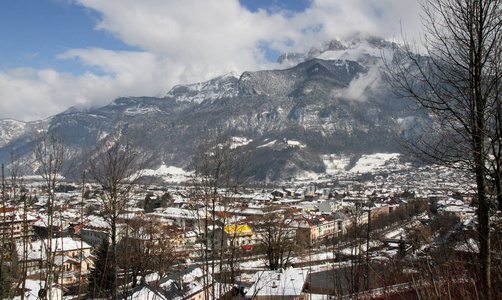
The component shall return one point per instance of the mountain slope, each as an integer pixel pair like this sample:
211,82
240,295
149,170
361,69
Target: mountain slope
289,118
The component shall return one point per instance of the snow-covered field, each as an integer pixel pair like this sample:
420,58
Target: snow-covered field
336,164
168,173
373,162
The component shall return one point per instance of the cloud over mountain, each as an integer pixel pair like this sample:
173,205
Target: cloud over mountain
188,41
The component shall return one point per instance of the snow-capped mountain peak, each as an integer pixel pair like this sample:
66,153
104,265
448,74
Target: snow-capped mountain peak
366,51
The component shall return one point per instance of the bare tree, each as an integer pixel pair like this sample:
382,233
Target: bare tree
5,248
116,166
217,166
53,161
278,239
459,84
133,249
16,181
148,247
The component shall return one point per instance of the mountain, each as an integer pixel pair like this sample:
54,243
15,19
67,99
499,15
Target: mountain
331,101
366,50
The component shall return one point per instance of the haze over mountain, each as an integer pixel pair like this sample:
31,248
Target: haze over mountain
329,101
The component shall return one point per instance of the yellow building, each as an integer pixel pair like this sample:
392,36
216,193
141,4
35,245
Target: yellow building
239,236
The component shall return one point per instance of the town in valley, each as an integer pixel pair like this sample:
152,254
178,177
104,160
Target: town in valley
365,234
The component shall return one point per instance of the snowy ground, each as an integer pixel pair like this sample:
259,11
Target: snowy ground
335,164
373,162
168,173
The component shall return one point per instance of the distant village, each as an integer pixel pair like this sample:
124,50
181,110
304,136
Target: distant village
373,216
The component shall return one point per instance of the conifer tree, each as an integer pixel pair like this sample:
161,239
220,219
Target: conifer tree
101,277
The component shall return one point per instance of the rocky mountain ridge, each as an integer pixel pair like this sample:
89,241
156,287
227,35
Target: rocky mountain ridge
290,118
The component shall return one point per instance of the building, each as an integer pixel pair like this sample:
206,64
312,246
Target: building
72,258
95,230
11,224
343,221
317,228
45,227
181,285
239,236
278,284
183,218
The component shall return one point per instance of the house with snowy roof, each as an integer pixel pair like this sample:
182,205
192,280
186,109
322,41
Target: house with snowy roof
13,223
317,228
57,227
262,198
282,193
328,206
184,218
180,285
343,221
463,212
71,257
239,236
95,230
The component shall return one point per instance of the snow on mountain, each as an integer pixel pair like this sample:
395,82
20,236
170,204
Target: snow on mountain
267,144
314,119
295,144
138,110
285,143
165,170
364,50
239,141
10,129
130,106
217,88
335,165
361,51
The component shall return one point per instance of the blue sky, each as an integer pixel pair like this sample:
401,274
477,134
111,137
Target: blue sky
60,53
34,32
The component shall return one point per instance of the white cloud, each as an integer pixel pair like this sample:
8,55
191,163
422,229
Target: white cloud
188,41
29,94
364,83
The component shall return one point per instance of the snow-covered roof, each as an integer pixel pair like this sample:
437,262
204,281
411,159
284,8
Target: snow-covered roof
97,222
16,215
457,209
278,283
61,259
146,292
238,229
178,213
44,222
37,249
